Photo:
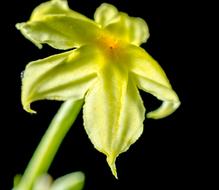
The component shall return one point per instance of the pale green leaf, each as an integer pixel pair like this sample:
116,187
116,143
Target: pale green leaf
113,112
150,77
132,30
59,77
106,14
59,31
72,181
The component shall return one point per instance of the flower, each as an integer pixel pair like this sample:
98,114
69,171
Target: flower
105,66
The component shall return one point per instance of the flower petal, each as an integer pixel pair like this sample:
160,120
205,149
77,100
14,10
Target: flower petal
55,7
59,77
167,95
113,112
106,14
150,77
132,30
59,31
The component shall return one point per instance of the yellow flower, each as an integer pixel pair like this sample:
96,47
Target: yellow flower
105,66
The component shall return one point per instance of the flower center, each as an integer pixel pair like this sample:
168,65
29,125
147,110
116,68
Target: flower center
108,43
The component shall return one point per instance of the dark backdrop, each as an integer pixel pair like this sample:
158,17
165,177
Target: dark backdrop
165,156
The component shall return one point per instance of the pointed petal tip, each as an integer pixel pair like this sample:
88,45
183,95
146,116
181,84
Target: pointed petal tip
21,28
112,164
28,109
17,26
150,116
165,110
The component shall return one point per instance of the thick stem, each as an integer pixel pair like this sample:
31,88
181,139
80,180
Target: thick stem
45,152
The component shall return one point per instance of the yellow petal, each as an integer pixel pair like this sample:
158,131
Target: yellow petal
150,77
106,14
132,30
55,7
59,77
167,95
59,31
113,112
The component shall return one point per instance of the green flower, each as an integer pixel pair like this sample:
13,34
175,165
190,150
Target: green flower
105,66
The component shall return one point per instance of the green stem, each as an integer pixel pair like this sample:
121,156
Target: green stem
45,152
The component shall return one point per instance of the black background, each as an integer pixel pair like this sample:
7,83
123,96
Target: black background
169,154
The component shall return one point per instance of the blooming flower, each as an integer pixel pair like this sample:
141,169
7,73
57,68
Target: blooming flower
105,66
